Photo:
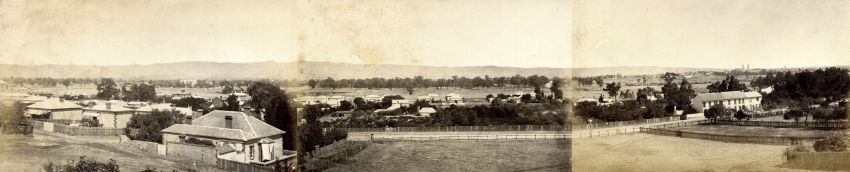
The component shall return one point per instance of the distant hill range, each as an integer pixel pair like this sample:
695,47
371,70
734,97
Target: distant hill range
312,70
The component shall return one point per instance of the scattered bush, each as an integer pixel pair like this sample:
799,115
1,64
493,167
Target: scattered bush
83,165
832,144
90,123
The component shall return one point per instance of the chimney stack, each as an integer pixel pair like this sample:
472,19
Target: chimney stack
108,105
228,122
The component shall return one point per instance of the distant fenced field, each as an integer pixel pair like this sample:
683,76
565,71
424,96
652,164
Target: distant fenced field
772,140
460,137
787,124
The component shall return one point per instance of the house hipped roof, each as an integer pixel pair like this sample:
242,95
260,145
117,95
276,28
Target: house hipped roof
211,125
112,108
726,95
54,103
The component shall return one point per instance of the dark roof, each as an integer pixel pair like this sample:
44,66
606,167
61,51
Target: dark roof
212,125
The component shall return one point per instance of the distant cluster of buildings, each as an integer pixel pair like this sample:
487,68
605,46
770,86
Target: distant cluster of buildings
109,114
236,136
336,101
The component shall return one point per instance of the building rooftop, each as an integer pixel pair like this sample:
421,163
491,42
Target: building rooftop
212,125
726,95
54,104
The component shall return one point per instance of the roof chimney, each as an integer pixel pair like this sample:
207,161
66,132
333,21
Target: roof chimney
108,105
228,122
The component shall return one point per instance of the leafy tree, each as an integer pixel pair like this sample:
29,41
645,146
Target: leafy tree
728,84
557,93
740,115
106,89
312,83
525,98
345,105
613,89
150,125
191,102
715,112
232,103
644,93
628,94
669,77
270,100
139,92
795,114
387,101
85,122
599,81
227,89
83,165
329,83
66,83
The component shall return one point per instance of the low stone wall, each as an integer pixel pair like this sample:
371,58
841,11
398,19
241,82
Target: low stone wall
202,154
149,147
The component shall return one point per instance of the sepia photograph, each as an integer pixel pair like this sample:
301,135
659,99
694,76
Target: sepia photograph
424,85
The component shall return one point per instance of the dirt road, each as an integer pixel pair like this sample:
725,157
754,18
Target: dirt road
20,153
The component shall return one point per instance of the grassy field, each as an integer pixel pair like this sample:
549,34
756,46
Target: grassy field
757,131
643,152
539,155
19,153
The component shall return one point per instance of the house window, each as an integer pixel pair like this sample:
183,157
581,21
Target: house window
251,152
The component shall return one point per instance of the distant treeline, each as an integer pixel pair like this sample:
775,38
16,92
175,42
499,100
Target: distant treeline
421,82
820,86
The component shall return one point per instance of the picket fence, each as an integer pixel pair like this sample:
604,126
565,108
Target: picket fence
337,152
731,138
78,130
632,129
602,125
787,124
242,167
17,129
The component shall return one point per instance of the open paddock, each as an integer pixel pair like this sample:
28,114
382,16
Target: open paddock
521,155
645,152
757,131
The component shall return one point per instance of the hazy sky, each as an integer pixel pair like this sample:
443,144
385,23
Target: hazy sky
712,33
447,33
529,33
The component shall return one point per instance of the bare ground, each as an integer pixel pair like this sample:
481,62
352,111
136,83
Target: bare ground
21,153
528,155
644,152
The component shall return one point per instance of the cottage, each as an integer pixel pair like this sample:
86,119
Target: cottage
109,114
55,108
454,99
338,115
237,137
427,111
372,98
32,99
736,100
